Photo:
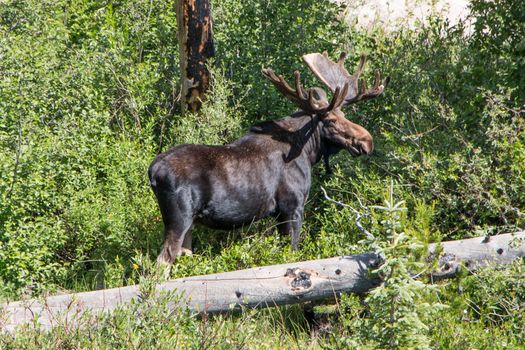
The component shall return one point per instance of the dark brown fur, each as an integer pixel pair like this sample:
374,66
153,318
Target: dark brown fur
267,172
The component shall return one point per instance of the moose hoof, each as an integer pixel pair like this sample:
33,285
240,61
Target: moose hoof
166,257
164,261
186,252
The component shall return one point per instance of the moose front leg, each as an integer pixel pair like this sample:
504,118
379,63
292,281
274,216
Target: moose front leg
326,161
291,224
186,244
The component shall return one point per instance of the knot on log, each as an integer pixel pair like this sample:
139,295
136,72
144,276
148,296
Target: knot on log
448,265
300,279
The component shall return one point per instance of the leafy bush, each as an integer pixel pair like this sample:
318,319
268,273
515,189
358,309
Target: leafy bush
82,86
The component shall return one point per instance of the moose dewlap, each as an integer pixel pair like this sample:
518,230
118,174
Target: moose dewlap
267,172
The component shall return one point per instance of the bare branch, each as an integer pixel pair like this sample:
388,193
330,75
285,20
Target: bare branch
358,214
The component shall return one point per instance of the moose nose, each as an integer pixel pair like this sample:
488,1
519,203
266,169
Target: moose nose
367,146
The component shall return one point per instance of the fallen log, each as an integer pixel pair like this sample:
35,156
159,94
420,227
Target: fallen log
265,286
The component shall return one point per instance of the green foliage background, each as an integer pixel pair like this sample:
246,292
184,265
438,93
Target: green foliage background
88,97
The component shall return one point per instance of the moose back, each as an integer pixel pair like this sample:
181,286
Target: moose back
267,172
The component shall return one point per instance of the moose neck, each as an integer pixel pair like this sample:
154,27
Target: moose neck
304,136
313,147
299,133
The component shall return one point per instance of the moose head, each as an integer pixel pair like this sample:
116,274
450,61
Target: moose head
338,132
267,172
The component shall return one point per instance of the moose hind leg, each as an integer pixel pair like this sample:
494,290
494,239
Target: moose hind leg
174,238
177,215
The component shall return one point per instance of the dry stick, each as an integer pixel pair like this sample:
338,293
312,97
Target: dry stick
359,215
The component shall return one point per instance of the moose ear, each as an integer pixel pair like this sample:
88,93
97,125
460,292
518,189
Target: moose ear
319,96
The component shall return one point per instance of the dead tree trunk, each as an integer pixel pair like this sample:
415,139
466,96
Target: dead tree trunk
266,286
195,48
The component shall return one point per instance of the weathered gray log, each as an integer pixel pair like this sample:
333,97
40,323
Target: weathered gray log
475,253
265,286
195,31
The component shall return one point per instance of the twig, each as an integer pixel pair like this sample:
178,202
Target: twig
358,214
416,276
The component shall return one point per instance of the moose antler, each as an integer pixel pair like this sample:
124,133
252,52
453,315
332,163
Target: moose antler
312,101
334,74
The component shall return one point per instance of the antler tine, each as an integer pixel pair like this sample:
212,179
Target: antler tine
343,94
338,98
287,88
304,100
386,82
364,93
280,83
298,87
377,79
360,66
363,86
270,74
341,60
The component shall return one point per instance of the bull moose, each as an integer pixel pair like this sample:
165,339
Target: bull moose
267,172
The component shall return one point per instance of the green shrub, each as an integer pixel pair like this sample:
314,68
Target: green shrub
82,88
251,35
397,312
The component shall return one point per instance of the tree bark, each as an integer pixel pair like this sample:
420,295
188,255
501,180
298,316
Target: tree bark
266,286
195,48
